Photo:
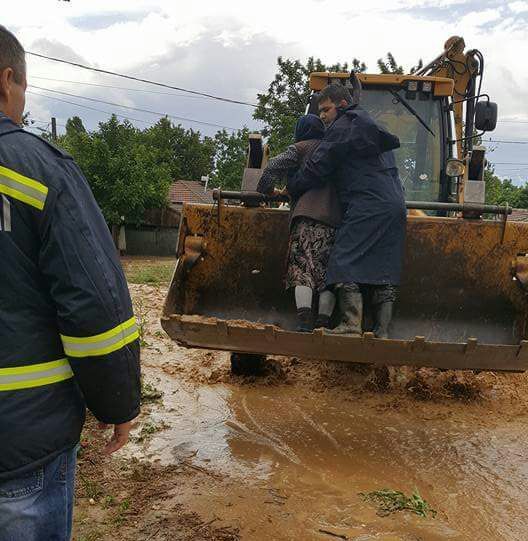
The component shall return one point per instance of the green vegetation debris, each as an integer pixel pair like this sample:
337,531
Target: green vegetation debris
391,501
147,430
149,393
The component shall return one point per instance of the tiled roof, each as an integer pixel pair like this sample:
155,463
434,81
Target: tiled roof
189,191
519,215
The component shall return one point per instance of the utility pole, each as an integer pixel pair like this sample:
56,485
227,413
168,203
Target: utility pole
54,128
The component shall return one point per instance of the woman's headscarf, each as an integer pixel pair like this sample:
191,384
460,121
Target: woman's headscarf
309,127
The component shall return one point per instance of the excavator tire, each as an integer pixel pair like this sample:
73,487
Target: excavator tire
247,364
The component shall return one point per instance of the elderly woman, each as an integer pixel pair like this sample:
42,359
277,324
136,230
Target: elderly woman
313,222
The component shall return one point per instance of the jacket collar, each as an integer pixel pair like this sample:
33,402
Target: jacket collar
343,111
7,125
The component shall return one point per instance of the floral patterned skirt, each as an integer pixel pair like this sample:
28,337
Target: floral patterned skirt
310,246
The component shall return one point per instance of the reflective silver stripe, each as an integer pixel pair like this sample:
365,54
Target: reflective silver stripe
23,188
32,376
6,211
103,344
16,378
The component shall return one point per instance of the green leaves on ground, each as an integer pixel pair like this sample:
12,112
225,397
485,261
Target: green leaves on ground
390,501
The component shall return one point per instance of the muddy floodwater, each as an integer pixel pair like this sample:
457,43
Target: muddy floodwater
286,456
298,461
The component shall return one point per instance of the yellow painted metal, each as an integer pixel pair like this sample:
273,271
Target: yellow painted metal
458,306
442,86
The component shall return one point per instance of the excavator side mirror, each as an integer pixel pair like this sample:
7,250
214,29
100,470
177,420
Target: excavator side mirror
486,115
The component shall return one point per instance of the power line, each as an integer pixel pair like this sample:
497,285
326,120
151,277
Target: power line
121,88
508,142
515,121
88,107
147,81
148,111
508,163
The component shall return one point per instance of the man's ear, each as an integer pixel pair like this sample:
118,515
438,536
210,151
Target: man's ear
6,80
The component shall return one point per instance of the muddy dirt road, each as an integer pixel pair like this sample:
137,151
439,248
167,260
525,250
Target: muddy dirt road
286,456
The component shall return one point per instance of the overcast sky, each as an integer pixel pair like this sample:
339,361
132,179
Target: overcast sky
229,48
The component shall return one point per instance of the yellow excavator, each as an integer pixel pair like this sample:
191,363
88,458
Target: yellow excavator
462,302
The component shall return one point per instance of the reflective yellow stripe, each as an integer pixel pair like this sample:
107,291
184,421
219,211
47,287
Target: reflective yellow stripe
34,375
101,344
23,188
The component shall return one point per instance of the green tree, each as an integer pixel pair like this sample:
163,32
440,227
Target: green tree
390,65
287,96
74,126
230,159
188,155
123,172
500,192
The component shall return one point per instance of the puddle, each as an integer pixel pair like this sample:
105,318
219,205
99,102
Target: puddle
311,455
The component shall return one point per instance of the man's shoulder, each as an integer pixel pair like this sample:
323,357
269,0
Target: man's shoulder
358,114
29,155
29,143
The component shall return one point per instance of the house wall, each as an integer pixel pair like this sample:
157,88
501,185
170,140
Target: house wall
151,241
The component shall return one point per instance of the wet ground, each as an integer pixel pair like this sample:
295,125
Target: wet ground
286,456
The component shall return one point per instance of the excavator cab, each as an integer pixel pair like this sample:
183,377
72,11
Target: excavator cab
462,301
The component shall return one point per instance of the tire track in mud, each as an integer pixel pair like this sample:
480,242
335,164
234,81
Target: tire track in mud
273,439
318,428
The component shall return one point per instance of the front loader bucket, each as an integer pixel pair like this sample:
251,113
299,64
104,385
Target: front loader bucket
459,305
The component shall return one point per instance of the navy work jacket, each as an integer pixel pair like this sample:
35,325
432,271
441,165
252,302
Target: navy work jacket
68,337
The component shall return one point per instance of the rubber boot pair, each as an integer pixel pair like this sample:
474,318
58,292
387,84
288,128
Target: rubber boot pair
350,301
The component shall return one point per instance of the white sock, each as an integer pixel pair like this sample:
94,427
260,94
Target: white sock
327,301
303,297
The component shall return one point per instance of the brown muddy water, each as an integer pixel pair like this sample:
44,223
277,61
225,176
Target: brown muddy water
307,457
286,457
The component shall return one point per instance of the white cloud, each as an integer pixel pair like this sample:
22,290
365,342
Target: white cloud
230,48
518,7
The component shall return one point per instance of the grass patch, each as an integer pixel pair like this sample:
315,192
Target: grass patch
92,490
390,501
120,514
147,430
149,271
149,393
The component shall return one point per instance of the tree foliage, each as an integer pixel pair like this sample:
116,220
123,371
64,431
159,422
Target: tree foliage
186,152
230,158
504,191
130,170
123,170
390,65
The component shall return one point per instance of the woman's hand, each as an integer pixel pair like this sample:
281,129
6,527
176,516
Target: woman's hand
281,191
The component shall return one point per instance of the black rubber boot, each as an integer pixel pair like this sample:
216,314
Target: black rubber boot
304,320
322,322
350,304
383,319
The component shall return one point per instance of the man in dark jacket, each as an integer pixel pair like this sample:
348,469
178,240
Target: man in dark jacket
367,257
68,337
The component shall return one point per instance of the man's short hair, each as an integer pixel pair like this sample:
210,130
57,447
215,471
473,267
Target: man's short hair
12,54
335,92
